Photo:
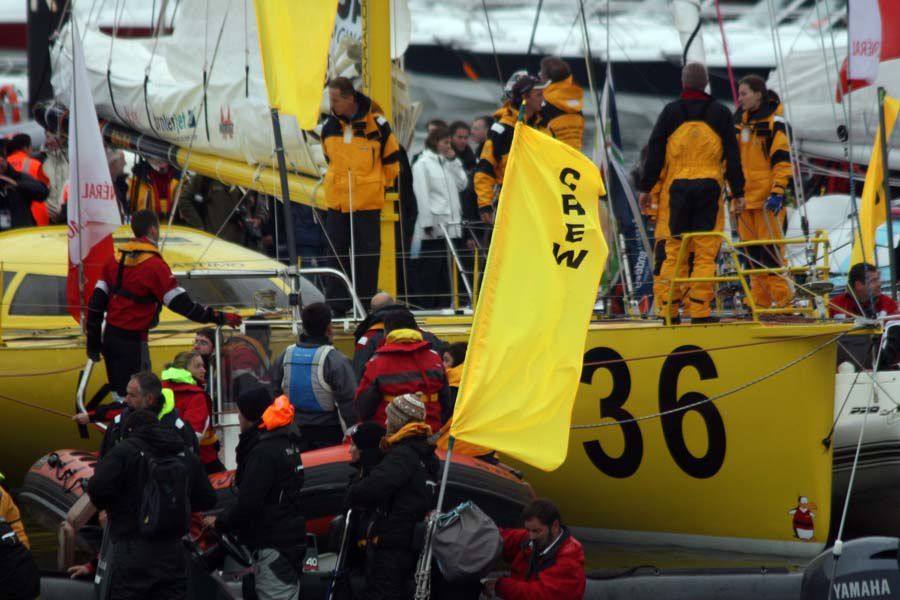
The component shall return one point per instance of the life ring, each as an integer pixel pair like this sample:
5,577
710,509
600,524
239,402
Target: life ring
9,96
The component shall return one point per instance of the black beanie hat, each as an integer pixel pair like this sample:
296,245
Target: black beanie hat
367,435
253,403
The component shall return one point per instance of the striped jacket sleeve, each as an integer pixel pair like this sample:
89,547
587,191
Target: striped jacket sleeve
780,156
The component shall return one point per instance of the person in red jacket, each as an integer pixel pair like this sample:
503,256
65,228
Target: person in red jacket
547,563
404,364
132,289
863,297
185,378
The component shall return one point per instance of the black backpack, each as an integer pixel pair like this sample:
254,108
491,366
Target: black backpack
165,509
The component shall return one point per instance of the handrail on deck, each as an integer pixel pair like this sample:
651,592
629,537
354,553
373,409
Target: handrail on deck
818,272
358,311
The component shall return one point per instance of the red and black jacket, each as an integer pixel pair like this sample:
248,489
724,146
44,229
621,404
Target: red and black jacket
404,364
133,288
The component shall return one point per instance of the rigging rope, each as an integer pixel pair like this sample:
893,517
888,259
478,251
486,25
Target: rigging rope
861,368
487,20
256,175
690,40
42,373
190,148
600,145
156,33
827,440
45,409
693,405
795,168
537,17
117,17
838,542
781,340
825,63
246,55
727,55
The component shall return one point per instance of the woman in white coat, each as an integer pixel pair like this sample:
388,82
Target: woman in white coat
438,178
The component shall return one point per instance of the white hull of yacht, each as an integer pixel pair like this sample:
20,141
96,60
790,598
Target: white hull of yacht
875,496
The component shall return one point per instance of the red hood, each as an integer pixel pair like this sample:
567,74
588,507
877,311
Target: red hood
688,94
183,387
386,348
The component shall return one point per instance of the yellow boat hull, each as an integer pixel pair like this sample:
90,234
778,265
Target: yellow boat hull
725,474
45,374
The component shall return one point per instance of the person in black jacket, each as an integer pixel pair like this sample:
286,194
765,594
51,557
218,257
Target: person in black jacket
365,454
17,191
400,491
145,391
266,516
143,566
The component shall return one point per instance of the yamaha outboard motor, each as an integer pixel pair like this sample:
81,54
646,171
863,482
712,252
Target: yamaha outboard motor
866,568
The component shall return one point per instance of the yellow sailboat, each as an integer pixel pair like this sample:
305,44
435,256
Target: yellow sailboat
724,474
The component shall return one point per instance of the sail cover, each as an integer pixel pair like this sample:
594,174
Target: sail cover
156,85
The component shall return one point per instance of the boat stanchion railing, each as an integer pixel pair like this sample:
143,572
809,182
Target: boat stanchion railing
217,389
359,312
458,268
816,284
81,390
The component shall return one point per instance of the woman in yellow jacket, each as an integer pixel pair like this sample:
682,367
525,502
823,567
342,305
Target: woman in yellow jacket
766,159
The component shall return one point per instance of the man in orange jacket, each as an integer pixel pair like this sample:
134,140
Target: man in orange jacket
18,155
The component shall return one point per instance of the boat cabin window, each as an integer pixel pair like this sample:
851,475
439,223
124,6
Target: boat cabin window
7,278
239,293
40,295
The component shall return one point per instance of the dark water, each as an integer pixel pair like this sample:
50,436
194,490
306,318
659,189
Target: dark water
598,557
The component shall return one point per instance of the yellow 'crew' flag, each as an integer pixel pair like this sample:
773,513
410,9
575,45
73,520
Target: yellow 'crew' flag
872,212
293,41
525,352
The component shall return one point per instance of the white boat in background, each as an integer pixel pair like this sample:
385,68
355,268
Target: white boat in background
813,84
453,39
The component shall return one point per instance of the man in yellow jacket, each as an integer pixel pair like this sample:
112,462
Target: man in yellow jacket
363,158
766,159
492,162
563,102
691,141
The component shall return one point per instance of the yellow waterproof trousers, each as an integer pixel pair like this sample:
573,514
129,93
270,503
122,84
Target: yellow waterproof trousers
694,206
762,224
697,296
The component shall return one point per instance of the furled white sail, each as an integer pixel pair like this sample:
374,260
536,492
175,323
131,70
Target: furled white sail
155,85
